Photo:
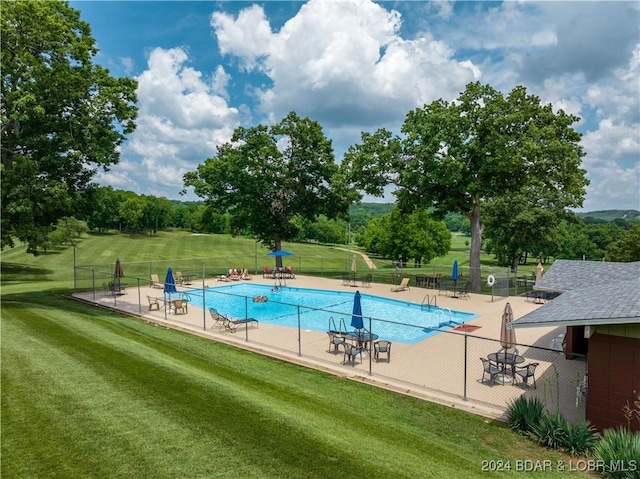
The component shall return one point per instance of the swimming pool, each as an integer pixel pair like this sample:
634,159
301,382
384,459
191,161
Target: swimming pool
390,319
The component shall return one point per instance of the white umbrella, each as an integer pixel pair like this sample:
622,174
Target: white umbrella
539,271
353,268
507,335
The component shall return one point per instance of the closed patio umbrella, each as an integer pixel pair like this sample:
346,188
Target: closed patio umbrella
454,272
353,268
169,282
118,273
507,335
356,318
539,270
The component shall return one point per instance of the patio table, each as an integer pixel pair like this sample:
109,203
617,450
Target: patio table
363,338
504,360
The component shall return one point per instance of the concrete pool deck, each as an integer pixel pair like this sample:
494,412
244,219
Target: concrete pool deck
433,369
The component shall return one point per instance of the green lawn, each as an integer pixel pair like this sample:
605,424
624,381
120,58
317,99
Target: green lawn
89,393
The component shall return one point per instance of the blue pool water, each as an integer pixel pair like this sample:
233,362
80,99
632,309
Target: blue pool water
390,319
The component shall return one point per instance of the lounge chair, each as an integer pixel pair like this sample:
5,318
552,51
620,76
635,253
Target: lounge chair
154,303
403,286
155,282
180,306
228,323
490,368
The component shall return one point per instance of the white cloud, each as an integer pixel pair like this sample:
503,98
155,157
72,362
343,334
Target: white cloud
343,63
247,36
182,118
613,162
356,65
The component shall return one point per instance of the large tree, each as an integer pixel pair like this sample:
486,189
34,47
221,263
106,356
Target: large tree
62,117
266,176
516,226
456,156
403,237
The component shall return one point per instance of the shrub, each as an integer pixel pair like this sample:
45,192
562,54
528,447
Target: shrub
551,430
617,453
580,438
524,413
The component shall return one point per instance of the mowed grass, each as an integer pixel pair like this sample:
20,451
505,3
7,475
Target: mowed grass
90,393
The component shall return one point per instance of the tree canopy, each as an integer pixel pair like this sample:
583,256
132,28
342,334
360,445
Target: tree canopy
61,115
265,177
457,156
401,237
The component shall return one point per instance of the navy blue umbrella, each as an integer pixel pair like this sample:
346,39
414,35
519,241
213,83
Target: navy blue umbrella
356,318
169,282
280,252
454,273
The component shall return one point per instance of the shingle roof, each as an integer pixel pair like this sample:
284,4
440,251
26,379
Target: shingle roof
566,275
594,293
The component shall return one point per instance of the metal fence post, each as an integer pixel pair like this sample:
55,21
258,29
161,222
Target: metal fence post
299,334
464,394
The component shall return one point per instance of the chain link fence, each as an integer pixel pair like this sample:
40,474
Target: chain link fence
447,363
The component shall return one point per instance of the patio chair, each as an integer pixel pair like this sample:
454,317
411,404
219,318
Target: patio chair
180,306
155,282
153,303
177,276
525,372
403,286
464,293
382,347
366,282
346,279
490,368
288,272
266,273
350,353
335,341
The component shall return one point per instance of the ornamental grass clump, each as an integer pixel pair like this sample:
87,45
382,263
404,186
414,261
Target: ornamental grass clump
551,431
617,454
524,413
580,438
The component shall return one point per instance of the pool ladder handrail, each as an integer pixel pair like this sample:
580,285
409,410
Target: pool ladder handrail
446,322
332,322
428,299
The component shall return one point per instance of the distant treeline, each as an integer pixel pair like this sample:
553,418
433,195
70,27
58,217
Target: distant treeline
609,215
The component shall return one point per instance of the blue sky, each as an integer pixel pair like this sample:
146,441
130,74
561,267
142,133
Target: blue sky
205,68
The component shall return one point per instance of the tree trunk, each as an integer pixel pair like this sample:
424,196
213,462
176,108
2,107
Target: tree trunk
475,274
278,243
